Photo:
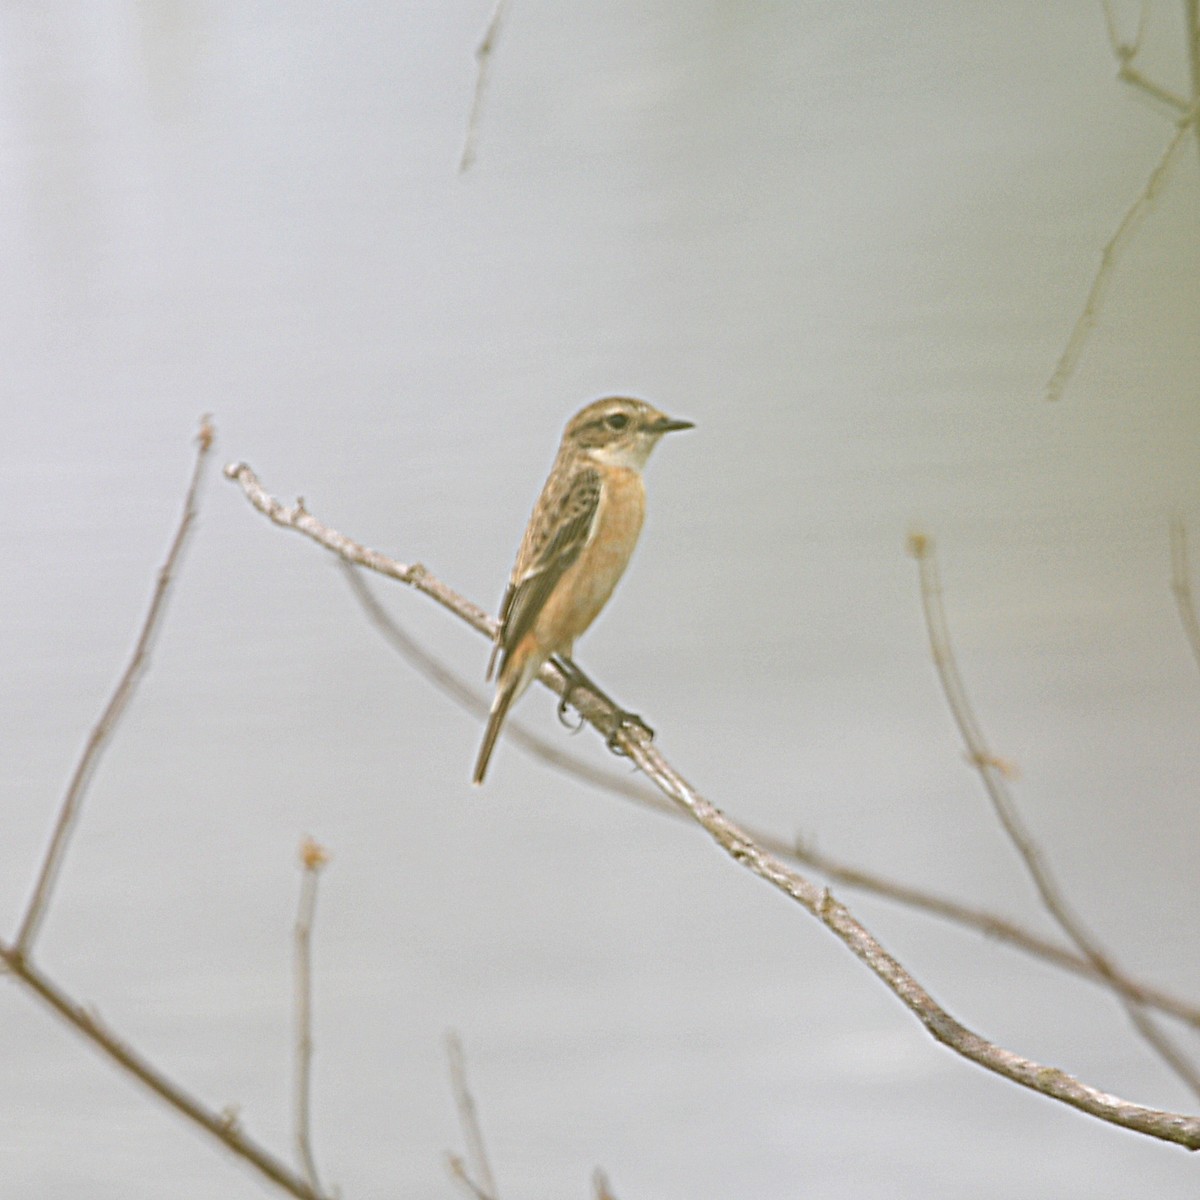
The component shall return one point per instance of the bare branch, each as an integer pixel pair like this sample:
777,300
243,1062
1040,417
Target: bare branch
476,1172
483,58
992,775
819,902
69,812
990,924
1109,256
15,958
1173,101
1181,586
224,1126
312,858
633,741
299,519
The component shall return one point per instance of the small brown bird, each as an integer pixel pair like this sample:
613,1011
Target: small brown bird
576,547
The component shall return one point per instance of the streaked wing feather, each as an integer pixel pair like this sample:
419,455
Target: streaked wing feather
505,605
551,549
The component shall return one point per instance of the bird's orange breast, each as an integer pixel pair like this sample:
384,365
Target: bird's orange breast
588,582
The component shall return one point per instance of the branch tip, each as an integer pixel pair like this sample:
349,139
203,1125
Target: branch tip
313,856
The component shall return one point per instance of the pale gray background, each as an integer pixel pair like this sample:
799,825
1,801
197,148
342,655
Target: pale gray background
849,242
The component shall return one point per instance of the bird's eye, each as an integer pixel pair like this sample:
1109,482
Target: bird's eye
616,421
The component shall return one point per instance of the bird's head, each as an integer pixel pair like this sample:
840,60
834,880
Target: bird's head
618,431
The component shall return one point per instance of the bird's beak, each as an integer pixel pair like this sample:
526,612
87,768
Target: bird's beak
669,425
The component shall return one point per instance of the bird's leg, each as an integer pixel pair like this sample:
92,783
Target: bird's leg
576,677
572,676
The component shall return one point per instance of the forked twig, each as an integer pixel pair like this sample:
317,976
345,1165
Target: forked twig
1185,111
1180,1128
475,1173
1125,53
16,959
223,1125
312,858
483,59
992,775
68,814
1181,586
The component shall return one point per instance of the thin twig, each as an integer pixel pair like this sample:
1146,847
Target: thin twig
1185,112
298,519
69,812
600,1186
992,773
1171,100
224,1126
476,1171
1109,256
1180,1128
990,924
483,59
1181,586
1191,10
312,858
461,1175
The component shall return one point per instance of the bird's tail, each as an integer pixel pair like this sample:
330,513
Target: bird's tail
506,693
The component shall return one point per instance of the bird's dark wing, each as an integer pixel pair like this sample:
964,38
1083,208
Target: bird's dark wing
552,544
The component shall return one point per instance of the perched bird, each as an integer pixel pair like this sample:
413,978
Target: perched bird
577,544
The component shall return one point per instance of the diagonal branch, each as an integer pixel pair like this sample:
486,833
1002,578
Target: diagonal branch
991,770
1186,111
1109,256
483,60
819,902
223,1126
299,519
475,1172
990,924
69,812
1181,586
1180,1128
